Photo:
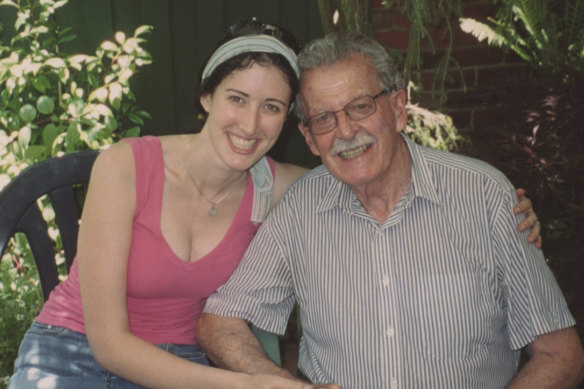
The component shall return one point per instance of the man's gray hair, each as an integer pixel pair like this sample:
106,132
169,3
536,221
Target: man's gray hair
336,47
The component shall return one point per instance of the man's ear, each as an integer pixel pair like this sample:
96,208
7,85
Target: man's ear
206,102
308,138
399,107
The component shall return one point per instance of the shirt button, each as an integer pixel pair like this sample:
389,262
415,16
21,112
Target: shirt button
385,280
390,332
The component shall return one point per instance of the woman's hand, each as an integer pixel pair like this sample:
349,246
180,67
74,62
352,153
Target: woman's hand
530,221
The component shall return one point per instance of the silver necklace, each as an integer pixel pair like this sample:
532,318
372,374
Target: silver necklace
212,203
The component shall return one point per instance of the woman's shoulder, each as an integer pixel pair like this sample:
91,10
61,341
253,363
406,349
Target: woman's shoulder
286,175
118,156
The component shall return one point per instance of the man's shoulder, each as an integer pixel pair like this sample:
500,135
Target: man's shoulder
451,163
318,176
308,189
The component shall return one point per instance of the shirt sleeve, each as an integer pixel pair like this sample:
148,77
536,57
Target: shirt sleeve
260,290
534,302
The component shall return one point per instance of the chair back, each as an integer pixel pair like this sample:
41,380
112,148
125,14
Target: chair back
61,179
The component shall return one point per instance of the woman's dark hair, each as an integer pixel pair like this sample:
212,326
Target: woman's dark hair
245,60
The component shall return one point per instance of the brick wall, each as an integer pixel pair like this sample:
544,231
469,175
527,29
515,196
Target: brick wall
487,71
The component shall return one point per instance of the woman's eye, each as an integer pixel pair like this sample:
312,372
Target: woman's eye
273,108
236,99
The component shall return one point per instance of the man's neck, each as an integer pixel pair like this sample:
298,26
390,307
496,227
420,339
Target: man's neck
380,196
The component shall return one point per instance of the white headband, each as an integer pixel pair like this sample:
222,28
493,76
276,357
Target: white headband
249,43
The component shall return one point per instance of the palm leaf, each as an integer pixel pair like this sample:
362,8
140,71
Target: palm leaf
497,34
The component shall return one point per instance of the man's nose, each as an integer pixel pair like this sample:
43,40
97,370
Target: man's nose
346,128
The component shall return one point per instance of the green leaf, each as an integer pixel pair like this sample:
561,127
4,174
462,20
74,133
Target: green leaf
35,153
78,58
109,46
13,122
56,63
120,37
24,136
143,30
39,84
136,119
100,94
67,38
111,124
75,108
115,95
131,132
45,105
8,2
143,114
72,137
27,113
49,134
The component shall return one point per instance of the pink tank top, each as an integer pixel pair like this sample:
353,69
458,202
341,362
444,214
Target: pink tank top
165,295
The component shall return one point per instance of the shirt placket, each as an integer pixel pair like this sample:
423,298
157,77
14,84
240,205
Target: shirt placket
388,323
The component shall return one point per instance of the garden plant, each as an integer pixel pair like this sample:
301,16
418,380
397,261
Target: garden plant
541,144
52,103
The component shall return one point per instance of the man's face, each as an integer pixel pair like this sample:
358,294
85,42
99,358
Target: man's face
358,152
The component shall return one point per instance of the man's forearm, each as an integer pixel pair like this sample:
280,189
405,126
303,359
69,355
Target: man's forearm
231,345
557,363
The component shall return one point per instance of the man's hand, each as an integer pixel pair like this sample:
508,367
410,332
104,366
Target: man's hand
268,381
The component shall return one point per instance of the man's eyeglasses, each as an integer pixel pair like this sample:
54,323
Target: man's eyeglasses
254,26
357,109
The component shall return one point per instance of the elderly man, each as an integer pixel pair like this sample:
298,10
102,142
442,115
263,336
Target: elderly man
405,261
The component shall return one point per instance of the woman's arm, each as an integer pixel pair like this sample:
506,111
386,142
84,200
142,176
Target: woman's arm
104,244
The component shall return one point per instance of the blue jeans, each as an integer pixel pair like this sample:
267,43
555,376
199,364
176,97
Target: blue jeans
52,357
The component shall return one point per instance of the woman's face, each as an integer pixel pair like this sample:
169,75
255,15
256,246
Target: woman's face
246,113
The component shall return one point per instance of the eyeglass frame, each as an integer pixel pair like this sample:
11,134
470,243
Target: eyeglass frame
334,113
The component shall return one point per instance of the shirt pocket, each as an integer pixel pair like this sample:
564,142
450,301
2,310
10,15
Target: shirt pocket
452,314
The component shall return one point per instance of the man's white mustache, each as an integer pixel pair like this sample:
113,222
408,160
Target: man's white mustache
360,139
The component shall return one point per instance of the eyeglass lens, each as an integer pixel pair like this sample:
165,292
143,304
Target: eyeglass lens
360,108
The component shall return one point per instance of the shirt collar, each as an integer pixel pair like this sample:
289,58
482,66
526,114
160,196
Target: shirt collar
339,194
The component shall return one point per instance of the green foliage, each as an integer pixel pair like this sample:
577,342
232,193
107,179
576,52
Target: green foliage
547,34
53,103
345,15
423,16
432,129
540,144
20,301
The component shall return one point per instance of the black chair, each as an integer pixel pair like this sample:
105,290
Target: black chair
61,178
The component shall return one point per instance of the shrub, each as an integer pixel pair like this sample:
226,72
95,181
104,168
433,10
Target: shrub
53,103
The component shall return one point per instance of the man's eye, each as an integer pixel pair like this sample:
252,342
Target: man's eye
323,118
360,107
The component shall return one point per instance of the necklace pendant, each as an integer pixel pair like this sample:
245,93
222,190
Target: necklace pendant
213,210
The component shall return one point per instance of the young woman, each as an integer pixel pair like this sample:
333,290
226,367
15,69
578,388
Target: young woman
165,223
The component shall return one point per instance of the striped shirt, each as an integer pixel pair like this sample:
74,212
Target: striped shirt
441,295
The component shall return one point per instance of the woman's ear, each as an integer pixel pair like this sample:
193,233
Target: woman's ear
206,102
